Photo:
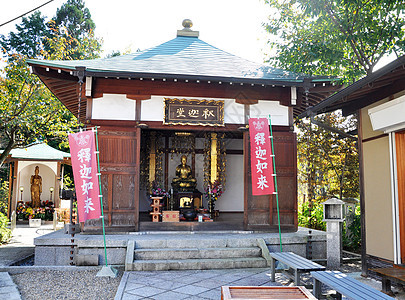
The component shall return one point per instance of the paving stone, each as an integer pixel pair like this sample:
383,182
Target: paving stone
211,294
146,291
171,296
131,286
128,296
170,284
8,289
191,290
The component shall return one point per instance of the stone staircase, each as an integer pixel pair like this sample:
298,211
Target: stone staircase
193,253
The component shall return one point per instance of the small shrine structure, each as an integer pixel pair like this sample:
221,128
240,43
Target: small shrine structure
23,162
188,98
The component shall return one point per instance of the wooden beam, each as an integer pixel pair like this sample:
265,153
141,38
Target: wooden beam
355,104
191,89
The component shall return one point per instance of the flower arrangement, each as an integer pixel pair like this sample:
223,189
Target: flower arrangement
157,191
25,211
215,189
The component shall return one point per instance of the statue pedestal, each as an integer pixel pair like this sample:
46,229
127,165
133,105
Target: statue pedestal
186,199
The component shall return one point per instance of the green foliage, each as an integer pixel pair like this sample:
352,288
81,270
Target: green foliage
340,38
4,197
28,40
310,215
28,110
352,236
74,21
5,233
69,35
327,162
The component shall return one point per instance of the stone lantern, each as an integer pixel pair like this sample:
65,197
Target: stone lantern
333,215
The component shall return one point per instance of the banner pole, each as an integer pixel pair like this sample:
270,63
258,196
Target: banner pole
275,183
105,271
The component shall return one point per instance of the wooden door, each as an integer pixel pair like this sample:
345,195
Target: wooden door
119,162
400,153
261,211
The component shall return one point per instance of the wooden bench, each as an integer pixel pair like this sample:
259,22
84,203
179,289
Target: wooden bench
394,274
265,292
345,285
293,261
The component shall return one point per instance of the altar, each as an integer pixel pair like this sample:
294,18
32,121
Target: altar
187,200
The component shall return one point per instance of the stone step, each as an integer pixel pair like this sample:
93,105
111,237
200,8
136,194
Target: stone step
194,253
198,264
195,242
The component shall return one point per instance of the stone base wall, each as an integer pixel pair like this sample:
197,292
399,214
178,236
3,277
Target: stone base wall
54,249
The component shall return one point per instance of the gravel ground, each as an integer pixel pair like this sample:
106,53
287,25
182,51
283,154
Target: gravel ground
66,285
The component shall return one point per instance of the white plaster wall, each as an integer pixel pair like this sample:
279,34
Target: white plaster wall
234,113
232,198
279,113
47,170
153,109
113,107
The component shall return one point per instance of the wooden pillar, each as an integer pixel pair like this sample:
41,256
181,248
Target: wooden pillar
10,188
364,269
15,187
137,176
166,180
152,157
214,157
56,199
246,178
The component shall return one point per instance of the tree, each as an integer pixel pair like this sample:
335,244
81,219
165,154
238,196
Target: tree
29,113
75,19
341,38
72,29
28,39
327,161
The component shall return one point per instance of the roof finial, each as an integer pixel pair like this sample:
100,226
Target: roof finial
187,24
186,31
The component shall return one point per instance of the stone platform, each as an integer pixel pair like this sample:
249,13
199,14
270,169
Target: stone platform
148,251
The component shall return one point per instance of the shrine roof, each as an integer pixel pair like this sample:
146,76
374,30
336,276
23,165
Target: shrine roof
40,151
183,57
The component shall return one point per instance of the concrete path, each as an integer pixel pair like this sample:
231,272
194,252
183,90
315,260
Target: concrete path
188,284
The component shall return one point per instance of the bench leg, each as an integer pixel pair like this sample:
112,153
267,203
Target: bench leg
297,278
317,289
386,286
338,296
273,269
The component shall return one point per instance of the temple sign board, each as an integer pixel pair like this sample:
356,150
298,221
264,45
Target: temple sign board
194,112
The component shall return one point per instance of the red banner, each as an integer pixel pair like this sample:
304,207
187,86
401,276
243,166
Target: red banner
84,165
260,155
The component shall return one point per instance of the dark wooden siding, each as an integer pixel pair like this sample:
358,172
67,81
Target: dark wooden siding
119,161
261,211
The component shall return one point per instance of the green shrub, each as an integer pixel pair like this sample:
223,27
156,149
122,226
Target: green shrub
4,197
5,233
311,218
352,237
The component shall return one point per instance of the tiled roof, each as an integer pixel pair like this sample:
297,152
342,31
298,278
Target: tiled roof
181,56
39,151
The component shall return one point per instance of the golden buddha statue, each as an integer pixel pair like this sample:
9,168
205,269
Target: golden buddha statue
36,188
184,181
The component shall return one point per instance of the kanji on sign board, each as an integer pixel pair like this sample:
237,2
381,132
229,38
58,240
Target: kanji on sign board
260,155
84,165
